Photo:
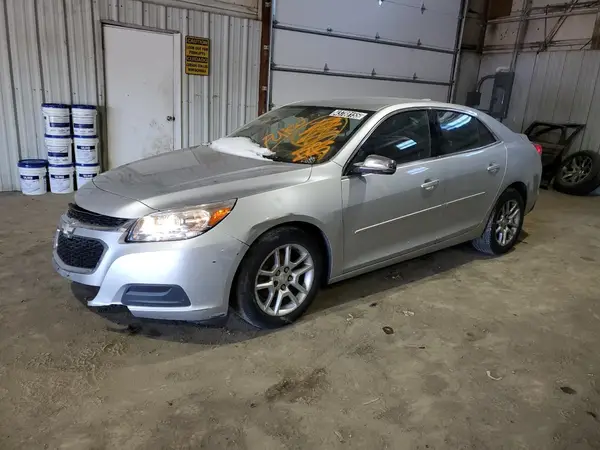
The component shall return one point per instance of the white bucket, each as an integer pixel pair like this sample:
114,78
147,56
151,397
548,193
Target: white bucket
86,149
85,172
32,173
59,149
56,119
61,178
84,120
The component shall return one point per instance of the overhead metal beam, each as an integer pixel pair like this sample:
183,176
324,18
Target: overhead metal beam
212,6
575,12
559,23
571,44
559,7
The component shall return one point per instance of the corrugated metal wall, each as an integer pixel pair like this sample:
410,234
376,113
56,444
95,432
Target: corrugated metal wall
557,86
51,51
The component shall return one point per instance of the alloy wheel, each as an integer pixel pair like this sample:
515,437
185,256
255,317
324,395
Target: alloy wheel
576,170
284,280
507,222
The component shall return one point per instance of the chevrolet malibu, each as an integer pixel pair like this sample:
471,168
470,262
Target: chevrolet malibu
308,194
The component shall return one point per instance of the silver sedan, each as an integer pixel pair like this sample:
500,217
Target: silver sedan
308,194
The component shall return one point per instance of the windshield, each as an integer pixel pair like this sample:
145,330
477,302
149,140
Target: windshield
302,134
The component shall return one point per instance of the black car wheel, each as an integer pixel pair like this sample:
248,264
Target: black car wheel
279,278
504,225
578,174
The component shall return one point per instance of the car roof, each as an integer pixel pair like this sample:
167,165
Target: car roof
366,103
378,103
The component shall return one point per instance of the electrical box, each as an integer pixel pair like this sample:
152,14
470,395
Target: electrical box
501,91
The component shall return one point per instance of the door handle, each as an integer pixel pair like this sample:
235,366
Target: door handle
430,185
493,168
170,118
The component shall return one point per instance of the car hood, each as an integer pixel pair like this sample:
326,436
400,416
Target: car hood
198,175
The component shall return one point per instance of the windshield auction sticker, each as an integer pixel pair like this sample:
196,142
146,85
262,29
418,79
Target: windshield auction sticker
318,137
348,114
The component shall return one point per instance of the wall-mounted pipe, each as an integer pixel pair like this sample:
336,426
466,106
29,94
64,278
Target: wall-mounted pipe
483,26
482,80
520,40
457,50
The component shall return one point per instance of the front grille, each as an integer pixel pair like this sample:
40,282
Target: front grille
78,251
91,218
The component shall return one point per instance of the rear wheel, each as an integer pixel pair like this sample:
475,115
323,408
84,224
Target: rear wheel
579,174
504,225
279,278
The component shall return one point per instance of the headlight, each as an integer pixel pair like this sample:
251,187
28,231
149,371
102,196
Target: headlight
179,224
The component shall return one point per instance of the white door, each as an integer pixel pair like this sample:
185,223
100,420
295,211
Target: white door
142,70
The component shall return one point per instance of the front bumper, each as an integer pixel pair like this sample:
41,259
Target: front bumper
203,267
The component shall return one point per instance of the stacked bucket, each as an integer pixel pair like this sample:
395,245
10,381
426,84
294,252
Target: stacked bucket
85,137
57,136
59,143
33,176
59,139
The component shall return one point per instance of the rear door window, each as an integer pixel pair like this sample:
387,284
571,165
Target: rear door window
458,132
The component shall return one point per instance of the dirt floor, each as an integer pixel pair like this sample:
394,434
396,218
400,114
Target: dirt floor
480,353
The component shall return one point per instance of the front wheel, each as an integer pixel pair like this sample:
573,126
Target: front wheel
278,278
504,225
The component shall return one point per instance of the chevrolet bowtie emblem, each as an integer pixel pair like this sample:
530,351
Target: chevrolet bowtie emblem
68,228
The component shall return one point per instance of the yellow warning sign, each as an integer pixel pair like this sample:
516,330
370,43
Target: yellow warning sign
197,56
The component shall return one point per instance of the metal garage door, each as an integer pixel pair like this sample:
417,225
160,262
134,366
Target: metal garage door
337,48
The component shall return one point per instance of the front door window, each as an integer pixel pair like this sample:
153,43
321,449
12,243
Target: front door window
403,137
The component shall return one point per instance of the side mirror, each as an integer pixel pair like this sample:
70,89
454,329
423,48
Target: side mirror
376,164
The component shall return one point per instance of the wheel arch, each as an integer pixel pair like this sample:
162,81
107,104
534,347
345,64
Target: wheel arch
521,188
304,225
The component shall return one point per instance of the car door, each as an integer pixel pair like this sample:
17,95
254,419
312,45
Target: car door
474,164
387,215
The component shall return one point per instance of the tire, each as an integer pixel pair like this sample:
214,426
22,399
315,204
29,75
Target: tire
583,182
490,242
252,291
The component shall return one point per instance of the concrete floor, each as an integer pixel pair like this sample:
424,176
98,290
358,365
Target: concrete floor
486,353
